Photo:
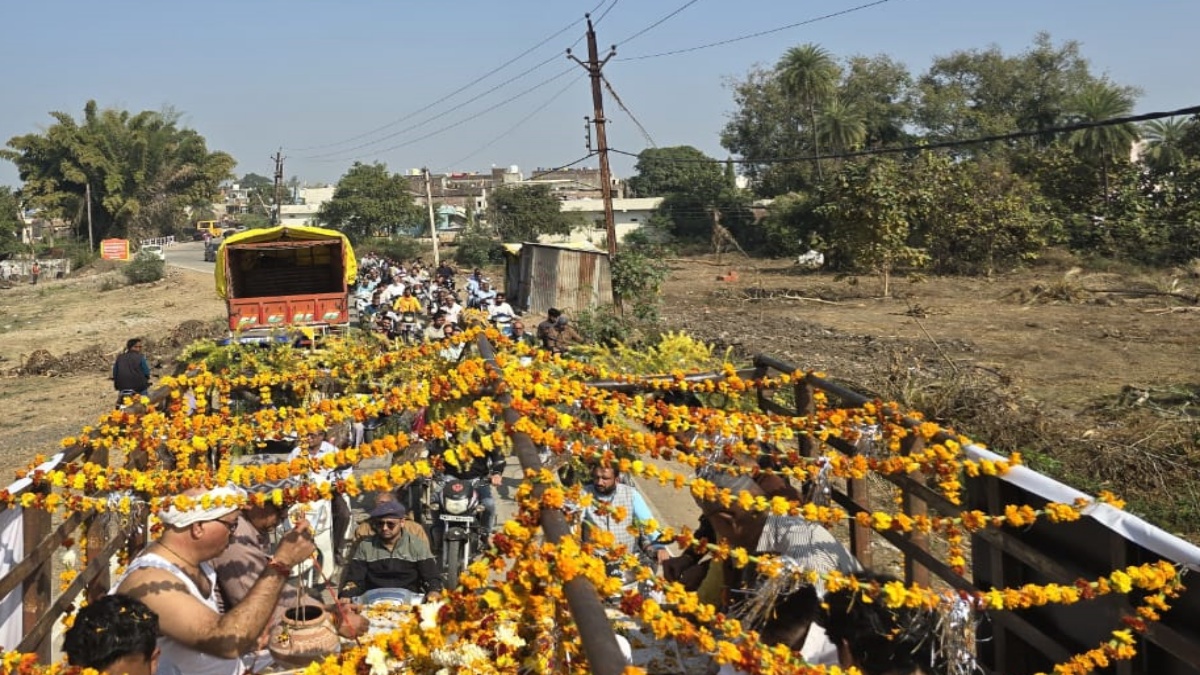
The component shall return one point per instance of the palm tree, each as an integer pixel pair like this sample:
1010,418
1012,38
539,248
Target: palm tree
1096,102
842,125
809,74
1163,142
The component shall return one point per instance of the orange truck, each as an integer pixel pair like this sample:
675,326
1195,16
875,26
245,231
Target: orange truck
286,276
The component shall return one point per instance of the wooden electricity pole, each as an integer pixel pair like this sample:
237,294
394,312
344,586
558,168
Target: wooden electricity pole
432,223
277,216
594,65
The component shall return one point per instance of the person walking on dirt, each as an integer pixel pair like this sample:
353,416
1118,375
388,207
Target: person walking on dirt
35,272
131,371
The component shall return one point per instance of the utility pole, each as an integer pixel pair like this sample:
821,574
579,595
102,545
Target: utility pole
594,65
277,216
432,223
88,198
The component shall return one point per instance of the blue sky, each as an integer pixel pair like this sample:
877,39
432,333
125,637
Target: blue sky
310,77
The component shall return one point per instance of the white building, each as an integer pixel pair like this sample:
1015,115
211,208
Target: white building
304,211
628,215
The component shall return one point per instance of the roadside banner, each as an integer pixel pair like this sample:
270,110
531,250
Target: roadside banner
114,249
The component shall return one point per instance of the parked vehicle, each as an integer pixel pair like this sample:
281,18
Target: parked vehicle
456,525
210,227
286,276
153,251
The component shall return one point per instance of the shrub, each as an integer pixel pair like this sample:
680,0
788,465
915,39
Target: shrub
636,278
144,268
605,325
474,247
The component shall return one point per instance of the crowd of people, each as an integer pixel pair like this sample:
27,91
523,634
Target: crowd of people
412,303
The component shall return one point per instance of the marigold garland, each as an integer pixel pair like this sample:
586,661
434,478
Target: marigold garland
520,622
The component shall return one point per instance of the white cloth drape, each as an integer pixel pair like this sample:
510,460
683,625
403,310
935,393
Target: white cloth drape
12,550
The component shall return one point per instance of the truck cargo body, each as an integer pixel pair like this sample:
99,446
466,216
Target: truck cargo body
286,276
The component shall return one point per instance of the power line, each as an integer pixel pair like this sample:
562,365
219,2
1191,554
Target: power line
546,172
621,104
654,25
454,93
511,129
758,34
938,145
412,127
463,121
606,11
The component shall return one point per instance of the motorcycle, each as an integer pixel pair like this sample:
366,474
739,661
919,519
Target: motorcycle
409,329
503,323
456,523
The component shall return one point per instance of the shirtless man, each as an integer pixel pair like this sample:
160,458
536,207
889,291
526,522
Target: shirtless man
173,578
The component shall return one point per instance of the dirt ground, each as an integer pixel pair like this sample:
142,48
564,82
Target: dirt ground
58,341
1067,352
1046,331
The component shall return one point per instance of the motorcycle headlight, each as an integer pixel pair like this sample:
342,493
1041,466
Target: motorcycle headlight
457,506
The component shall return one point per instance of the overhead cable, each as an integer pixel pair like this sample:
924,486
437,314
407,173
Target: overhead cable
481,113
546,172
606,11
656,24
433,118
758,34
454,93
511,129
613,92
937,145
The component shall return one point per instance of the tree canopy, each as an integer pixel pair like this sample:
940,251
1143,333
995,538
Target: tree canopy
524,212
144,170
10,227
1047,188
369,202
680,169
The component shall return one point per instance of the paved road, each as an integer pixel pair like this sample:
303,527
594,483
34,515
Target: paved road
189,256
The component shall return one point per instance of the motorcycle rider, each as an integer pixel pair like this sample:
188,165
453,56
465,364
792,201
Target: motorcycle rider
609,495
396,556
485,472
499,307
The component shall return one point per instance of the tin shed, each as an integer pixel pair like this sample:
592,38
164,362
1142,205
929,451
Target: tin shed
570,277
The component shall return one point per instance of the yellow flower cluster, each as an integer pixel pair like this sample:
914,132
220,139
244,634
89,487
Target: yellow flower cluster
509,606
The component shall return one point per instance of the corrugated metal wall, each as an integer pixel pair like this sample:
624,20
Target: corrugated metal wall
551,276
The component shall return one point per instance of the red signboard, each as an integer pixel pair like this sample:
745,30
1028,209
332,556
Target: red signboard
114,249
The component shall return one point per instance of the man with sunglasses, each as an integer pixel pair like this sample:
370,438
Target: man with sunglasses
175,579
395,556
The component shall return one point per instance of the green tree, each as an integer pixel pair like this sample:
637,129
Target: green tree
1103,146
984,218
870,208
767,123
809,74
369,202
841,125
1164,138
677,170
524,212
10,226
881,89
143,170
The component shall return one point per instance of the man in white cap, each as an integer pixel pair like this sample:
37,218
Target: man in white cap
174,578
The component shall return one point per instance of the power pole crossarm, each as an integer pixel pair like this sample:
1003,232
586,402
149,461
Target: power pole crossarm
594,66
